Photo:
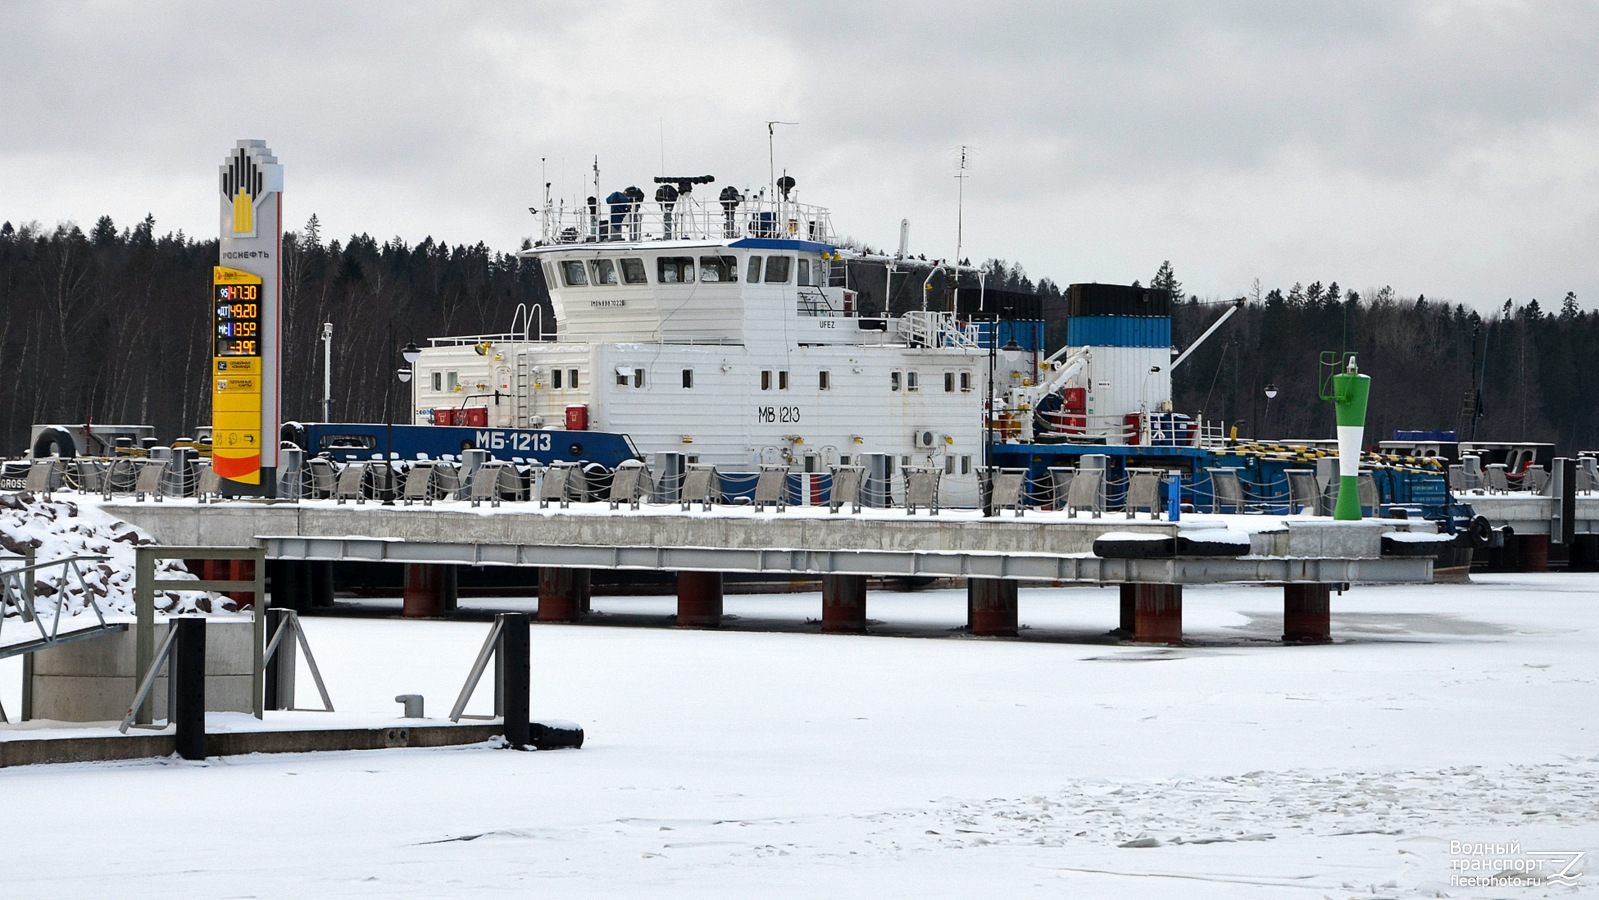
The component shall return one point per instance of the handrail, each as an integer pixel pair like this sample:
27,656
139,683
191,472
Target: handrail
20,591
685,219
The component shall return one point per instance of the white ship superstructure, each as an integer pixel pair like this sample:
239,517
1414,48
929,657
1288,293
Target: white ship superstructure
725,332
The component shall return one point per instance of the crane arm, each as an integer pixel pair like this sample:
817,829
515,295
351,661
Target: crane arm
1237,305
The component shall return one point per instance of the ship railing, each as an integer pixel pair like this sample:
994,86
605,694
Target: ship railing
686,219
1212,433
472,340
813,301
936,329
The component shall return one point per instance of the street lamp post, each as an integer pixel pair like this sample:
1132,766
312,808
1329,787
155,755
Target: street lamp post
327,371
987,480
409,353
1271,393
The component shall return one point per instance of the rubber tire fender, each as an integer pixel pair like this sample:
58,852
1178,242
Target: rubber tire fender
1482,532
65,446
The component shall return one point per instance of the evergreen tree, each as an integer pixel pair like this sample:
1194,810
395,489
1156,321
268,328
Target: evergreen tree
1166,279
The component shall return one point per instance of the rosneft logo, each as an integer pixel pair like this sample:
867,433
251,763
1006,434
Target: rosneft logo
242,183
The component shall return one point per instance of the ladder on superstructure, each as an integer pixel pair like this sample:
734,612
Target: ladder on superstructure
524,392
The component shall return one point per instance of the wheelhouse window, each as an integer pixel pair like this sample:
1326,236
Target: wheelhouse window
803,273
452,381
966,382
777,269
824,380
555,379
949,382
438,381
717,269
893,380
674,269
766,379
633,271
638,378
571,378
573,273
910,381
782,380
603,271
753,274
688,378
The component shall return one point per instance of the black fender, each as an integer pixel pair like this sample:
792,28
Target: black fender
1481,532
54,442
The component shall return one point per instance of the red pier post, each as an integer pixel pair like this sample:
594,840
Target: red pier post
992,602
563,594
1307,613
699,599
844,604
1158,614
1534,552
426,588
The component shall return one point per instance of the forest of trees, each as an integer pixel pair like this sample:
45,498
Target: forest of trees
1537,370
114,325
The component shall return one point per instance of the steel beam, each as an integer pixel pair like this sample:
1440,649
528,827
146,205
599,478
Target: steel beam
1078,568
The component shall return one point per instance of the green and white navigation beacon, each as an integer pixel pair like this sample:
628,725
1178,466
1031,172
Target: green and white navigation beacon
1350,390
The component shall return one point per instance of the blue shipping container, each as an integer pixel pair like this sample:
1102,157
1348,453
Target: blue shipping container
1118,331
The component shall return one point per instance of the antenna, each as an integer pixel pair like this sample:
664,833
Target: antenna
960,206
771,152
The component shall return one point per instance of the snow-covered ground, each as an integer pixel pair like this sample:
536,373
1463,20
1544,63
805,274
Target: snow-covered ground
759,761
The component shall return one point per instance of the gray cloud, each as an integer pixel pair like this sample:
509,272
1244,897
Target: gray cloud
1438,147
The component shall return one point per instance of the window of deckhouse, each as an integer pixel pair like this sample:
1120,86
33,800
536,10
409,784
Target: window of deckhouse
674,269
633,271
573,273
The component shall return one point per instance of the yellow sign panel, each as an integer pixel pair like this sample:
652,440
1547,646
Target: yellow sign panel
244,420
225,275
237,365
236,375
234,401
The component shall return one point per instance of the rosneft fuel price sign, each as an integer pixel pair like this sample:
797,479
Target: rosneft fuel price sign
236,376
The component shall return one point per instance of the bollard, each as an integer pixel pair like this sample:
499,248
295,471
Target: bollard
514,671
412,704
187,671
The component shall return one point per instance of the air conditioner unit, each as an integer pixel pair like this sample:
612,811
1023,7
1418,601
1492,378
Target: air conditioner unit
925,440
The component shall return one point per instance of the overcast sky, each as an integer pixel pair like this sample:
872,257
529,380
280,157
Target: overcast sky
1442,148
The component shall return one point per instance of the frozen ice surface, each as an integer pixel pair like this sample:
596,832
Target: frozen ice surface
758,762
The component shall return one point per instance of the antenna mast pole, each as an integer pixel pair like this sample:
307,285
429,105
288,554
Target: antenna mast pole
960,207
771,154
